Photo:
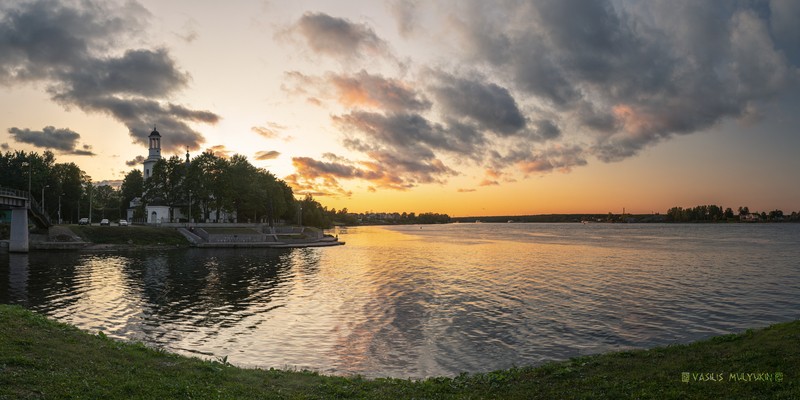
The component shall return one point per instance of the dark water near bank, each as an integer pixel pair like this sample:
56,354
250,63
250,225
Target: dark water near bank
436,300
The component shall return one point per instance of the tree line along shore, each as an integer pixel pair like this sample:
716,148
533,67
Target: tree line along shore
40,358
208,184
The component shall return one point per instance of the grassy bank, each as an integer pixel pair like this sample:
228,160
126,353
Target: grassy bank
43,359
134,235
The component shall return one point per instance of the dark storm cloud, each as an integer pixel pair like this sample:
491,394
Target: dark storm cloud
785,29
544,129
85,150
146,73
136,161
627,75
63,140
413,133
72,47
338,37
487,104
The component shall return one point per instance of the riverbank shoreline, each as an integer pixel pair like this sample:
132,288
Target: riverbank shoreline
41,358
119,238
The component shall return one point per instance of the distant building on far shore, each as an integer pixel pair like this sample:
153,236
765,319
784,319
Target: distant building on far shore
750,217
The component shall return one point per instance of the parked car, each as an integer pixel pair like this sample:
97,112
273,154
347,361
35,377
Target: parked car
105,222
83,221
123,222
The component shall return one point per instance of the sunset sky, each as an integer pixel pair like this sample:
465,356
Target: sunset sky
459,107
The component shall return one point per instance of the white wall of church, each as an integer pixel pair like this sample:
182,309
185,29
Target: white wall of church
157,214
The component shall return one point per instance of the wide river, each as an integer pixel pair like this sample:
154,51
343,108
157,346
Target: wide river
418,301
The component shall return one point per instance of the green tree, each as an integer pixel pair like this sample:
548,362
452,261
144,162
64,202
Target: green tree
69,189
313,214
729,213
132,187
166,183
776,215
744,211
106,200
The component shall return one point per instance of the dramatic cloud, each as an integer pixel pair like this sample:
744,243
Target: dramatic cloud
63,140
267,155
4,146
410,133
465,190
625,79
135,162
72,49
405,173
538,87
339,38
487,104
321,178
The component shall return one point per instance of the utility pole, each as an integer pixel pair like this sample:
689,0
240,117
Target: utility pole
28,164
43,211
59,207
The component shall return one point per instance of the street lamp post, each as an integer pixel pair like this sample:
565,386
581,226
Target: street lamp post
28,164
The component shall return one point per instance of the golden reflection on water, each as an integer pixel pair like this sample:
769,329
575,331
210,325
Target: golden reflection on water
437,300
102,286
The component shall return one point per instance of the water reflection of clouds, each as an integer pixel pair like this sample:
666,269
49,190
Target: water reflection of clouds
426,302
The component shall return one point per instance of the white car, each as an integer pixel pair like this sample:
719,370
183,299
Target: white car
123,222
105,222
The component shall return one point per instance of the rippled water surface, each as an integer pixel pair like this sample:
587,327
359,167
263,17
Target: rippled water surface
417,301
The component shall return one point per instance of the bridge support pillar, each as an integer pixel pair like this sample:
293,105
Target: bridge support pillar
19,231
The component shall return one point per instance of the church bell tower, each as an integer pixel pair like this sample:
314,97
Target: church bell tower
155,153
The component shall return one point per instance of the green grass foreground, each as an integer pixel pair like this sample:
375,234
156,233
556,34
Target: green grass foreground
40,358
133,235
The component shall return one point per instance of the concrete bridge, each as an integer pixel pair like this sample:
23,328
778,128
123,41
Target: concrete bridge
21,205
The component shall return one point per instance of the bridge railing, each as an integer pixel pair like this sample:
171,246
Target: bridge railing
34,209
4,191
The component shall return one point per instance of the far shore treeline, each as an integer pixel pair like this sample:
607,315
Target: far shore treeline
209,183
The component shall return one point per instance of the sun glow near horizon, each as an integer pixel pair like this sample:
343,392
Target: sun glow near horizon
434,107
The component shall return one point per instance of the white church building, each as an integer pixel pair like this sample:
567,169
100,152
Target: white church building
157,211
